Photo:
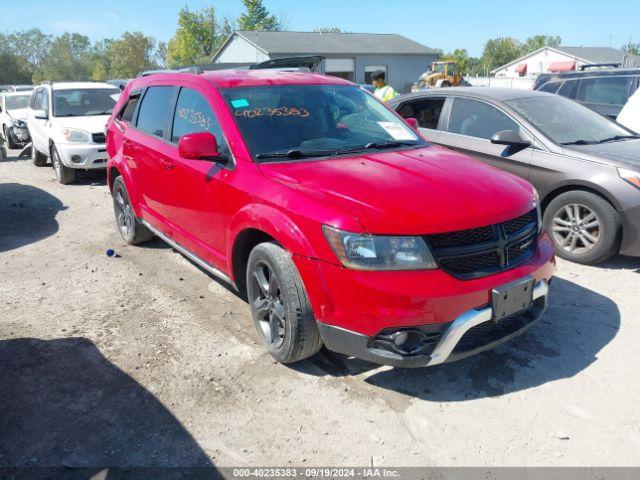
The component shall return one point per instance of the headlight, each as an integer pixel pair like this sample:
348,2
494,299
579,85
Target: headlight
630,176
73,135
369,252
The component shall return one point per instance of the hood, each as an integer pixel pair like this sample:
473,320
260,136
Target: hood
91,124
412,192
625,154
18,114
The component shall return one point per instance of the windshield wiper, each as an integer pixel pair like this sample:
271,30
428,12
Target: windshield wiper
580,142
390,144
295,153
617,137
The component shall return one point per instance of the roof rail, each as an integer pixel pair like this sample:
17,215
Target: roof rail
45,82
599,65
194,69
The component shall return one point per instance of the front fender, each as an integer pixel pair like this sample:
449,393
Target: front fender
274,223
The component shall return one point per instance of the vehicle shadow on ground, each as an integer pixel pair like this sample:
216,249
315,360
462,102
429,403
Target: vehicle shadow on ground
27,215
622,263
566,341
65,405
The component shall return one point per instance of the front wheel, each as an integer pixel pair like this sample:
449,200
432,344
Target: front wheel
584,227
279,305
65,175
10,142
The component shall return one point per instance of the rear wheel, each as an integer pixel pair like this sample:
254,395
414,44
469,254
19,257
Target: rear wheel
584,227
38,159
279,305
64,174
129,227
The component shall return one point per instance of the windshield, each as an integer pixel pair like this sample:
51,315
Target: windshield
314,120
84,102
567,122
15,102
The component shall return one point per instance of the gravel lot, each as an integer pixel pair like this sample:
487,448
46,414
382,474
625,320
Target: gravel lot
145,360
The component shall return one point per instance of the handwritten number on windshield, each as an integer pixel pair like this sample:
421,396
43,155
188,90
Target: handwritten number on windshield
273,112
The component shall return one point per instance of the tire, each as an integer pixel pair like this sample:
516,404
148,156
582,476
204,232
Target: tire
38,159
575,219
10,143
3,153
281,302
65,175
130,228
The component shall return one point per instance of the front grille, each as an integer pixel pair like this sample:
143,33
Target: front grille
482,251
98,138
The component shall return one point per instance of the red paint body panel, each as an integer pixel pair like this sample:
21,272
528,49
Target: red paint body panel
204,207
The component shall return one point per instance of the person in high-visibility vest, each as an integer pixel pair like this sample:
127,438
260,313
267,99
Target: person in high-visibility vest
383,91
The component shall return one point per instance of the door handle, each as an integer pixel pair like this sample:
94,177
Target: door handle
166,163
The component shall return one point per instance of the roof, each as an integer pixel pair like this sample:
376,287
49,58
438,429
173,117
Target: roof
492,93
332,43
75,85
244,78
584,54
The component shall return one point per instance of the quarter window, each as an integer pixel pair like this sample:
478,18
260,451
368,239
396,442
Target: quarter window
194,114
478,119
156,109
550,87
427,111
130,108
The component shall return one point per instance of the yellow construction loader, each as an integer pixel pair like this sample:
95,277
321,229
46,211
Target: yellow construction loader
442,74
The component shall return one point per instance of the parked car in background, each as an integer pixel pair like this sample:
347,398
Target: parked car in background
629,116
585,167
16,88
13,116
334,218
605,91
67,124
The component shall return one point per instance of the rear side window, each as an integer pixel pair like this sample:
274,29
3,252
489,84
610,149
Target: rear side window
427,111
194,114
478,119
129,109
604,90
568,88
155,112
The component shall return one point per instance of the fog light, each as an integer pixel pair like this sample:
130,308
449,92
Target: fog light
407,341
76,159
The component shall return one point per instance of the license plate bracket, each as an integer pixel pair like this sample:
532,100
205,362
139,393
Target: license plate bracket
512,298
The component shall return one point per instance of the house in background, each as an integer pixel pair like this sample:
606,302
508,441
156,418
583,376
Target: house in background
562,59
352,56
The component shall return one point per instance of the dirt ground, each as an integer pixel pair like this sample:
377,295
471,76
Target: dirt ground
145,360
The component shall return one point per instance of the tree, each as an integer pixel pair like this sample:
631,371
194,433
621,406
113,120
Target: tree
461,57
327,30
69,58
13,69
31,44
257,17
131,54
196,39
631,47
538,41
499,51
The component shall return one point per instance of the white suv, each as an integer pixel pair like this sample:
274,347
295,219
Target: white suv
66,122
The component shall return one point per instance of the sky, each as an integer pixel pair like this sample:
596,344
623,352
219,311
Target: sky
445,25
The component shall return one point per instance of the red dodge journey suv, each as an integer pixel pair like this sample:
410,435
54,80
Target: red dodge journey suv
339,223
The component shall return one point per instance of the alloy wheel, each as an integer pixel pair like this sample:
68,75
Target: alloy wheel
576,228
57,166
125,217
267,304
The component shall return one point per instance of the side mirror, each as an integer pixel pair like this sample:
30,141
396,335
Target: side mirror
412,122
510,138
41,115
200,146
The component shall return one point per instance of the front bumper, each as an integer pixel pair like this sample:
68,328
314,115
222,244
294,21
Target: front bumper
19,134
472,332
85,156
631,232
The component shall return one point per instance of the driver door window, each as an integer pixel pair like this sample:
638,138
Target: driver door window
471,125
